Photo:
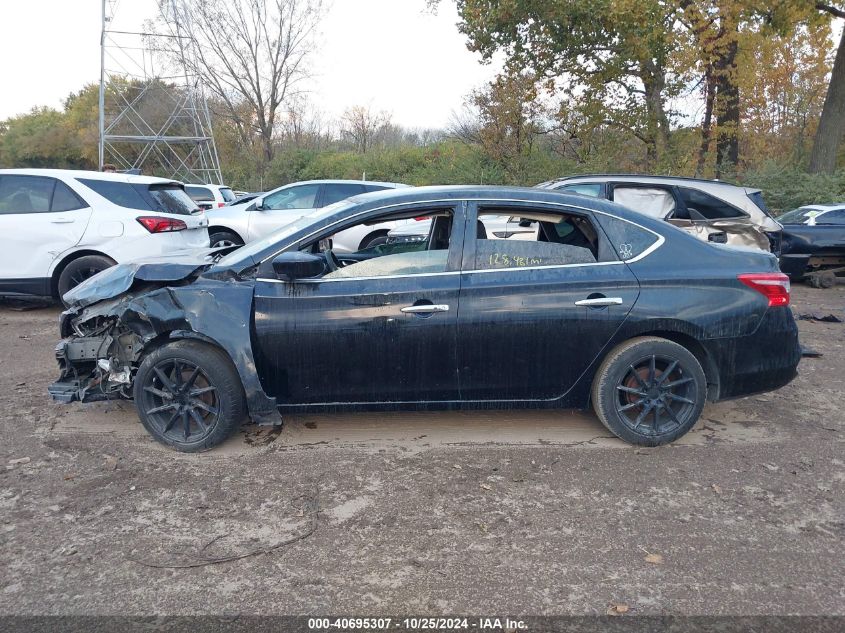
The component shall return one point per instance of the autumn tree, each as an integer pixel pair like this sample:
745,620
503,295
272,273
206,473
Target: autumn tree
504,118
611,58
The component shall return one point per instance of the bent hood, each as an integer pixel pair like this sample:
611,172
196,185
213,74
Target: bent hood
118,279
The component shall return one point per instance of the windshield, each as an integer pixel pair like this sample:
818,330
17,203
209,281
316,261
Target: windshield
254,248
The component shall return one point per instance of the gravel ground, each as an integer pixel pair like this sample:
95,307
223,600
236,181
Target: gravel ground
529,513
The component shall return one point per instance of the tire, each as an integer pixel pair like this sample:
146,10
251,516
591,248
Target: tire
376,239
219,239
824,279
79,270
209,404
626,391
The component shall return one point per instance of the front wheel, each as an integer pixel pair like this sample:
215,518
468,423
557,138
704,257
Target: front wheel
649,391
221,239
189,396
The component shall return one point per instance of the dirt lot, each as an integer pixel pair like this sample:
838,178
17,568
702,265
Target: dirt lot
424,513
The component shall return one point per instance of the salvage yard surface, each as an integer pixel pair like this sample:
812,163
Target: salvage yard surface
521,512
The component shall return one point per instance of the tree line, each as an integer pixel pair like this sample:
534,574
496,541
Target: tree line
745,90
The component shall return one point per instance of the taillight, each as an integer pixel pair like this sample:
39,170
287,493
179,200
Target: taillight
423,217
775,286
221,204
157,224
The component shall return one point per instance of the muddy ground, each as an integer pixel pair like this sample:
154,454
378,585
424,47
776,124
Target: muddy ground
427,513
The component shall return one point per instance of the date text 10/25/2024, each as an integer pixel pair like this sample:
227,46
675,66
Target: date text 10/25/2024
417,624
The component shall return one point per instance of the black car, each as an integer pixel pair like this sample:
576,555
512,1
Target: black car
602,305
813,246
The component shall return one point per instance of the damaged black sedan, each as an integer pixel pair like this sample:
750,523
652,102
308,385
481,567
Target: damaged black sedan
514,298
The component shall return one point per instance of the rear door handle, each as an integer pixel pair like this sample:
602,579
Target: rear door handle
425,309
600,301
62,220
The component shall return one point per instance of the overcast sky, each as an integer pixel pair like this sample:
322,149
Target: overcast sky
390,54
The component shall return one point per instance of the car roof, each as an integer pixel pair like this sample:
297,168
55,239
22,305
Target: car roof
438,193
646,178
89,174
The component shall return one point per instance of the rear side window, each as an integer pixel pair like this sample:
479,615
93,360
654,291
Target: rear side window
628,239
123,194
172,199
534,239
165,198
337,192
199,193
36,194
706,205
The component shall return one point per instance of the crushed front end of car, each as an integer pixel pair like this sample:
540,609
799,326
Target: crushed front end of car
127,311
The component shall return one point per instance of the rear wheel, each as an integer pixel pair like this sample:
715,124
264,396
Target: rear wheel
189,396
649,391
219,239
81,269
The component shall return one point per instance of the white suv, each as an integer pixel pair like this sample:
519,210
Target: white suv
210,196
63,226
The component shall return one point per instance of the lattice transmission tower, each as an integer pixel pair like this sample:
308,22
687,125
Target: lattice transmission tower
154,117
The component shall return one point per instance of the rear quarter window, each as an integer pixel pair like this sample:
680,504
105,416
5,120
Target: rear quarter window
629,240
164,198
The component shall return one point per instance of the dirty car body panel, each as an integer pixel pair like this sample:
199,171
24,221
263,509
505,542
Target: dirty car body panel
440,339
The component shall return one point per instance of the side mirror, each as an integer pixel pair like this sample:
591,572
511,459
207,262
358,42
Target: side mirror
258,204
295,265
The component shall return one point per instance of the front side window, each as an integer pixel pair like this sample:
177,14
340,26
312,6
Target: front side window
300,197
428,255
703,204
341,191
533,238
25,194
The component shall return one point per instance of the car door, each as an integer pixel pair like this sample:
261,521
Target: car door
281,207
42,218
535,314
373,338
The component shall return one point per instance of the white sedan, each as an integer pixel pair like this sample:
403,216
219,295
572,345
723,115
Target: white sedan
241,223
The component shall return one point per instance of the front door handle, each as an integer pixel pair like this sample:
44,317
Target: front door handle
598,302
427,308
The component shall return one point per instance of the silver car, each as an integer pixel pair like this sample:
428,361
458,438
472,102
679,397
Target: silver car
257,218
711,210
